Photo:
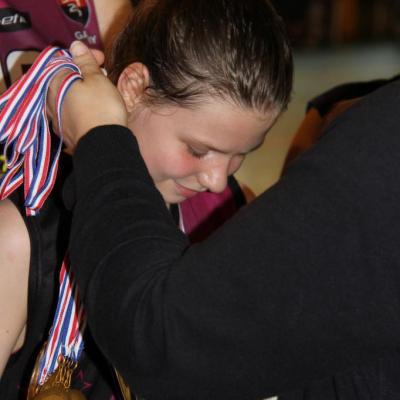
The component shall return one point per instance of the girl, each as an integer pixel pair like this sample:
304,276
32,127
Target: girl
202,82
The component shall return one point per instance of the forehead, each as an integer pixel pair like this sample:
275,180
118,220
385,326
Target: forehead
220,124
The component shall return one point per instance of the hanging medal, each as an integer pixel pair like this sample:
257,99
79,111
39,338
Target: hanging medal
60,354
25,134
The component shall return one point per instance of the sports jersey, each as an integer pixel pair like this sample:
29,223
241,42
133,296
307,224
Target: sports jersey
26,29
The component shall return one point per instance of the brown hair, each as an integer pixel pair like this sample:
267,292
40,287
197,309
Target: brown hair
233,49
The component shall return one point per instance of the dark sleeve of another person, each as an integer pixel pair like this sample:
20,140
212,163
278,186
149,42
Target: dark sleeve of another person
300,284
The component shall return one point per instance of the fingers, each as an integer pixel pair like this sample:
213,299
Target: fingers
87,60
98,55
90,102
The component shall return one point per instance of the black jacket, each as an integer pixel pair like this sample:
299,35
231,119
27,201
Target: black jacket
300,286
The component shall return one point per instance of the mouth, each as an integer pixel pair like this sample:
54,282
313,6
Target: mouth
186,192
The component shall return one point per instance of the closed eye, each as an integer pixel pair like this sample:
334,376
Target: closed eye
195,152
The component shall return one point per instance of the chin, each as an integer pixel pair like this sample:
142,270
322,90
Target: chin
172,198
170,194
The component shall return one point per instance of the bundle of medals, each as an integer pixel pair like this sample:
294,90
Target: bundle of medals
58,385
51,378
26,136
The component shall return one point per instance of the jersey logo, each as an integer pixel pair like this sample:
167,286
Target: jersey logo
76,10
12,20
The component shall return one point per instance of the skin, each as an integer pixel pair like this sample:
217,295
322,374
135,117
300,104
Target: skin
14,271
193,150
188,150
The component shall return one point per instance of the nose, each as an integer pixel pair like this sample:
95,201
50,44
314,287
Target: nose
214,179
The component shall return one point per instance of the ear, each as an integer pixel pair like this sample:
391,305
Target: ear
131,84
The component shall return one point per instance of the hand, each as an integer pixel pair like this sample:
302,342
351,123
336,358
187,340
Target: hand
92,102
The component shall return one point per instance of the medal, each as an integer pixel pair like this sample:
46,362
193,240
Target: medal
59,356
58,384
54,394
33,385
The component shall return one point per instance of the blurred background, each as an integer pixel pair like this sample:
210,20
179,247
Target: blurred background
334,42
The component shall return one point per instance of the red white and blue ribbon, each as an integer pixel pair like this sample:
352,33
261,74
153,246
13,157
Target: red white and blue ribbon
25,134
66,334
25,131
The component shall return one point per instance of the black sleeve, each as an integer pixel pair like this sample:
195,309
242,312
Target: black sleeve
301,283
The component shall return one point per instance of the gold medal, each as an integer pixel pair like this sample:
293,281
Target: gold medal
57,386
56,394
33,385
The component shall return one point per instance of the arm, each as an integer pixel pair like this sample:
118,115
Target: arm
302,283
14,272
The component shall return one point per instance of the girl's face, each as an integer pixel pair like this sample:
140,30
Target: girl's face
192,150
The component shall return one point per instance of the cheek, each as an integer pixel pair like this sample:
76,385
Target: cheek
166,164
181,165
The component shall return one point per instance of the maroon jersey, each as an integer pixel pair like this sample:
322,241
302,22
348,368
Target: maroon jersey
27,27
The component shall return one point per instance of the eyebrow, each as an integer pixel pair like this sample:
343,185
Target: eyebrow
204,146
209,147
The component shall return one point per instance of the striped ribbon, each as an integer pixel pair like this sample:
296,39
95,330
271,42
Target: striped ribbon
25,133
66,334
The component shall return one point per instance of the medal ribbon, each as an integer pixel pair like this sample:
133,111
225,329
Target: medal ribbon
25,133
66,333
